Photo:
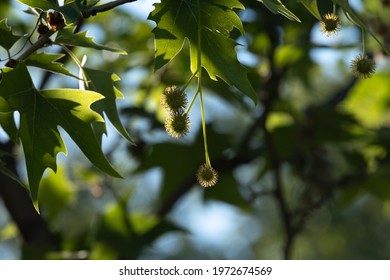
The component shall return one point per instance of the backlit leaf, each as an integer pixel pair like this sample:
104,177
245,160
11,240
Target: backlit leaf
102,82
178,22
41,112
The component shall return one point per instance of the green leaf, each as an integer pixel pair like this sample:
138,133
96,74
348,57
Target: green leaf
177,23
67,37
102,82
7,39
311,6
49,63
72,9
41,4
41,112
276,6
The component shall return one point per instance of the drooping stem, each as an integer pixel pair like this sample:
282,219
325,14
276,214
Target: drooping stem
192,102
194,98
77,61
199,89
204,127
189,81
364,42
104,8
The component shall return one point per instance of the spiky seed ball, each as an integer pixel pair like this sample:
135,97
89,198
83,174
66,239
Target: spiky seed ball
174,100
363,67
177,125
330,24
207,176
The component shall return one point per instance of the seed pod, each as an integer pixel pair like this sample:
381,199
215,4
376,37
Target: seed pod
177,125
207,176
363,67
330,24
174,100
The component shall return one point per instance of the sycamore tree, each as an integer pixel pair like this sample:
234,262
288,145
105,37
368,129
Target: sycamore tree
256,129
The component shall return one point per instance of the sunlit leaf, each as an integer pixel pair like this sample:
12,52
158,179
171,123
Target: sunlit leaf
103,82
41,112
207,21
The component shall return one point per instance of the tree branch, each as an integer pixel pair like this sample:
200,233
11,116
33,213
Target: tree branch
32,227
44,39
270,95
104,8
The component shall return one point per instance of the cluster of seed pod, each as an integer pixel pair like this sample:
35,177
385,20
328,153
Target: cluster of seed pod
177,124
361,66
174,101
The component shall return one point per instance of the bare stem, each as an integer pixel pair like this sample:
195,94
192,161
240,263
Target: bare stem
104,8
37,45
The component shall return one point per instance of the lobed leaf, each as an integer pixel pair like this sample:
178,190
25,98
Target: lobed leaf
102,82
41,112
177,22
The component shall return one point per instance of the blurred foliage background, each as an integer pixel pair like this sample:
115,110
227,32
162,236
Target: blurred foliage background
305,174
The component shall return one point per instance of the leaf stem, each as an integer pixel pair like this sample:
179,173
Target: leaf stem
192,102
77,61
189,81
204,126
185,86
199,89
364,42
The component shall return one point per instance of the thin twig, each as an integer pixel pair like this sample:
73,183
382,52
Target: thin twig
104,8
44,39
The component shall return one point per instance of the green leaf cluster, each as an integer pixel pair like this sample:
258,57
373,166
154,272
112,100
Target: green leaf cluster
41,113
177,23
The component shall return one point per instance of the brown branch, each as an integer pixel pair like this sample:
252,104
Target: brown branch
269,97
44,39
104,8
278,187
32,227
